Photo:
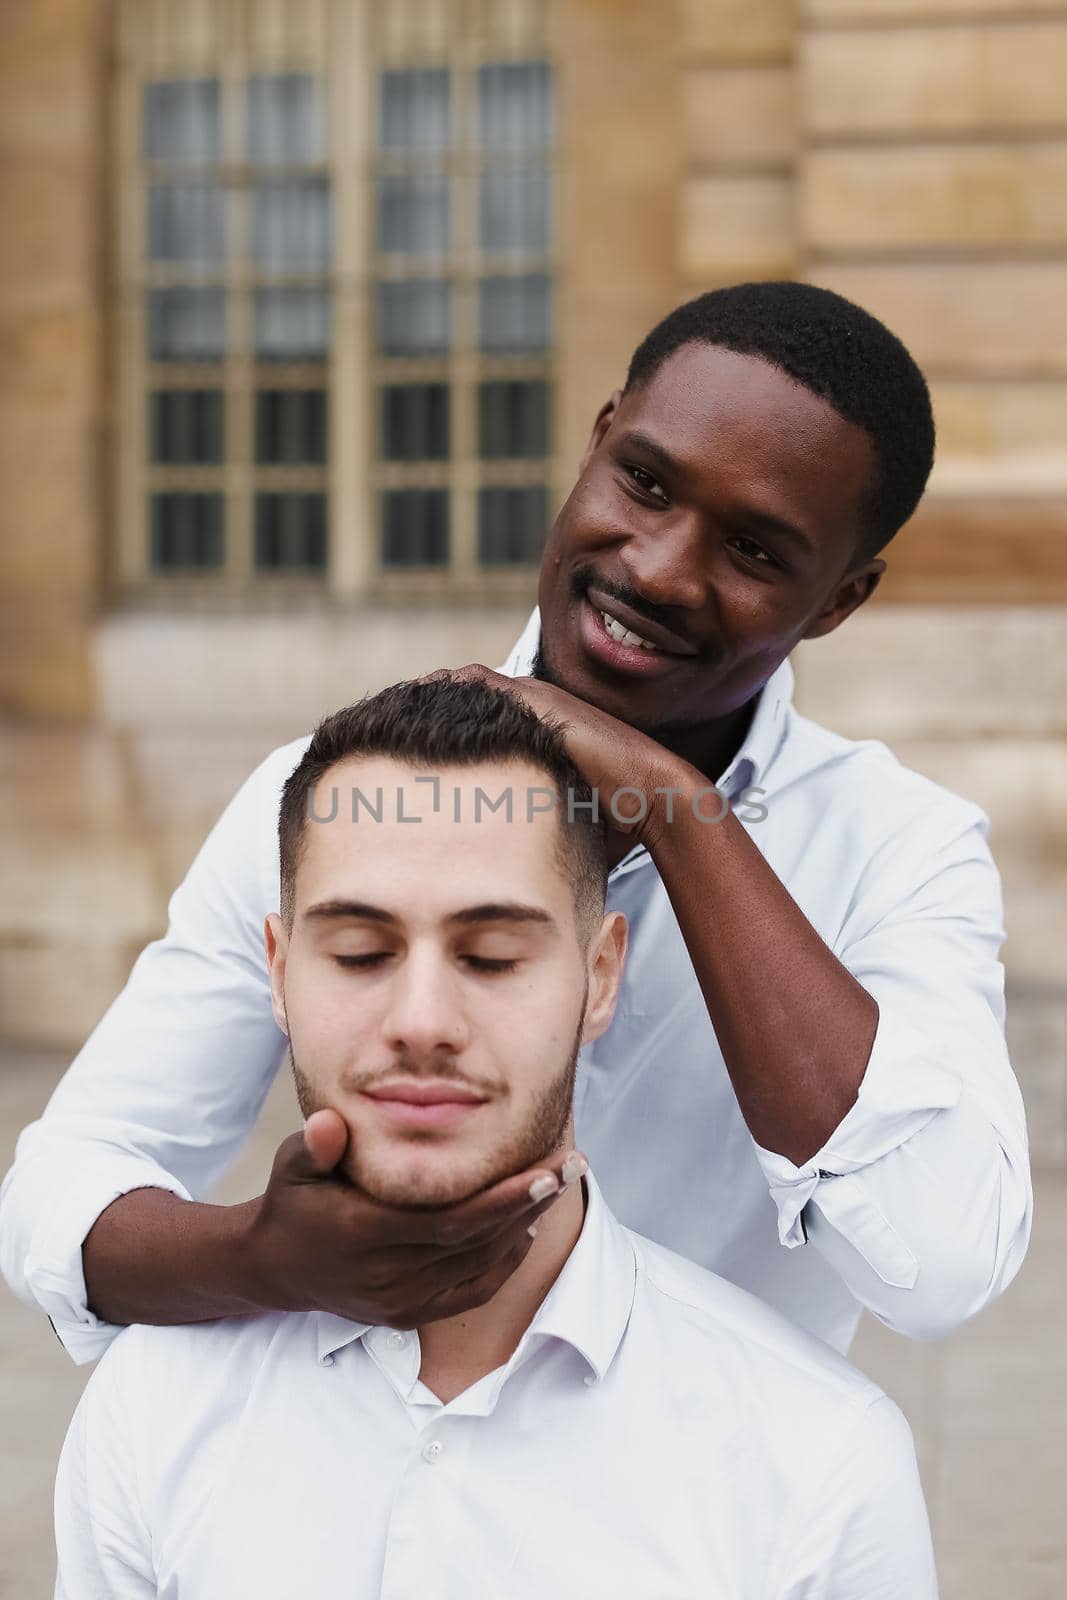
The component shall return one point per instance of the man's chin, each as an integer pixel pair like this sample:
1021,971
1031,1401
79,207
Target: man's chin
419,1182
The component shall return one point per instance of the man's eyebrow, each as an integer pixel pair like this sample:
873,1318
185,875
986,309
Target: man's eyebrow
744,517
652,447
768,522
491,911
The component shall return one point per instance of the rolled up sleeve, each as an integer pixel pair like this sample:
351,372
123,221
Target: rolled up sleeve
921,1198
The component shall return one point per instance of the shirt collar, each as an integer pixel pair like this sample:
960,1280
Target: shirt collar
760,744
588,1306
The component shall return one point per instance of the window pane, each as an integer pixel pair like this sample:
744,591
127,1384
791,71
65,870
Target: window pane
413,214
414,109
187,427
415,528
291,324
186,324
511,526
512,419
415,422
186,531
514,313
285,119
513,210
290,531
414,317
290,426
515,105
186,222
291,224
181,120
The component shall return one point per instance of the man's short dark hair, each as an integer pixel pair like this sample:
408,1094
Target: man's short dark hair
452,722
838,351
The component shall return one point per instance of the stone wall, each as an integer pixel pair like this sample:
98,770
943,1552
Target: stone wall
52,204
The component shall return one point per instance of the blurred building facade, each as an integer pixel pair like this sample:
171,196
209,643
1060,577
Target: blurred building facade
308,306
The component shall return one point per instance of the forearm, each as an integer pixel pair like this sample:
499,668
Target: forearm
154,1258
794,1026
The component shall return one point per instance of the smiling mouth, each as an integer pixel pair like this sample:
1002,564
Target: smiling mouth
624,635
628,629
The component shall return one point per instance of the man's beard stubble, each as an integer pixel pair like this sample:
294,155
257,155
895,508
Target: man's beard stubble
540,1135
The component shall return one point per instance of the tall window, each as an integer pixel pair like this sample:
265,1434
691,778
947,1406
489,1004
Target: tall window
321,197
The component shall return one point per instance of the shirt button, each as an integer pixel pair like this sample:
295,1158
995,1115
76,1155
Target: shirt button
327,1361
398,1339
432,1452
589,1382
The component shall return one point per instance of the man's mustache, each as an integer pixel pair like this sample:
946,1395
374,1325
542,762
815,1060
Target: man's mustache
359,1081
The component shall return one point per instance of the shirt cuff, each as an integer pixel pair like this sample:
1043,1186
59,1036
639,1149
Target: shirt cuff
54,1273
902,1089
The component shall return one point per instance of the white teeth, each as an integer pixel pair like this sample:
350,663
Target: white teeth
624,635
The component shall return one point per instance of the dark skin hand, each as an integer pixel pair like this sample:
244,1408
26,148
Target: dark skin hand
311,1241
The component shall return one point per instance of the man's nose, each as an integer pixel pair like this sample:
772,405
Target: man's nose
425,1012
666,566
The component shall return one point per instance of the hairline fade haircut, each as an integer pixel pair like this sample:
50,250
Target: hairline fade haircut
451,722
839,352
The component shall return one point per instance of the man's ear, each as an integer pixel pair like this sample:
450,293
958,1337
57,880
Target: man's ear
600,427
849,595
277,944
607,956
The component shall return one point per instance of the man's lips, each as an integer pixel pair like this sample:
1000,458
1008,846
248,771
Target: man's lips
425,1092
664,640
436,1103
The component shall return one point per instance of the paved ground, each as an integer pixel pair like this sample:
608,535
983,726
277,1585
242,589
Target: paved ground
988,1406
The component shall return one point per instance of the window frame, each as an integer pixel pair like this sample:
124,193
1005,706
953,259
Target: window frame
355,472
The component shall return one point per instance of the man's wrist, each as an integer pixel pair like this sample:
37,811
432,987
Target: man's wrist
680,796
234,1264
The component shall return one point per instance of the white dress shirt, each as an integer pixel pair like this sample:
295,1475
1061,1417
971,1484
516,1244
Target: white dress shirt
657,1435
919,1204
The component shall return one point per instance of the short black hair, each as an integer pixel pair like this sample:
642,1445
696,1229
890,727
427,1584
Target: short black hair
838,351
452,722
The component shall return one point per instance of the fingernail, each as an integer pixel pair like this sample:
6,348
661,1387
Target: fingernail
542,1187
534,1225
575,1166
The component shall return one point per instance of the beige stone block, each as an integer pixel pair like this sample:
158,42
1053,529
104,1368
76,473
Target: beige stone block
977,541
618,210
54,994
737,227
1021,784
934,79
939,672
185,777
739,116
864,12
44,655
935,196
49,353
273,676
49,237
996,318
63,777
737,30
1011,420
75,885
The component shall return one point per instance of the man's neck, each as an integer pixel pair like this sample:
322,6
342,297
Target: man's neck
457,1351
